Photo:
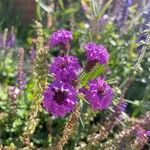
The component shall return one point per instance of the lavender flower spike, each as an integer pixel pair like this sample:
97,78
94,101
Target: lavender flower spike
99,94
21,74
59,98
144,26
61,37
65,68
11,40
122,15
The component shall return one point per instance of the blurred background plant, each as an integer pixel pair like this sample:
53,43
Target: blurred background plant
123,26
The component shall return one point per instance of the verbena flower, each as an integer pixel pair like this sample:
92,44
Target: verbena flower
65,68
99,94
60,37
95,53
59,98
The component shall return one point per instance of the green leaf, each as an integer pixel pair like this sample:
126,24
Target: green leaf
61,4
104,8
96,71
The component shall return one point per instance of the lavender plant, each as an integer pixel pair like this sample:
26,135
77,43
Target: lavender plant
8,39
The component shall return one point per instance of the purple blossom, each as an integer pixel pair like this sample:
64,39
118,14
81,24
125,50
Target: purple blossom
60,37
83,90
122,13
84,7
11,40
13,92
59,98
148,133
140,132
65,68
7,40
32,54
99,94
96,53
121,106
103,20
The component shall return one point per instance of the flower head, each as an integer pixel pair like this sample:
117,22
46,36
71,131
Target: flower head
99,94
96,53
60,37
59,98
65,68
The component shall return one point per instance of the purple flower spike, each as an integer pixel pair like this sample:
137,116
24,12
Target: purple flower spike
1,40
95,53
65,68
59,98
148,133
99,94
60,37
11,40
121,106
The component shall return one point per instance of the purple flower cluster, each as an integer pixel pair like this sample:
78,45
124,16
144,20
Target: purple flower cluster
65,68
61,37
59,98
61,95
96,53
99,94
